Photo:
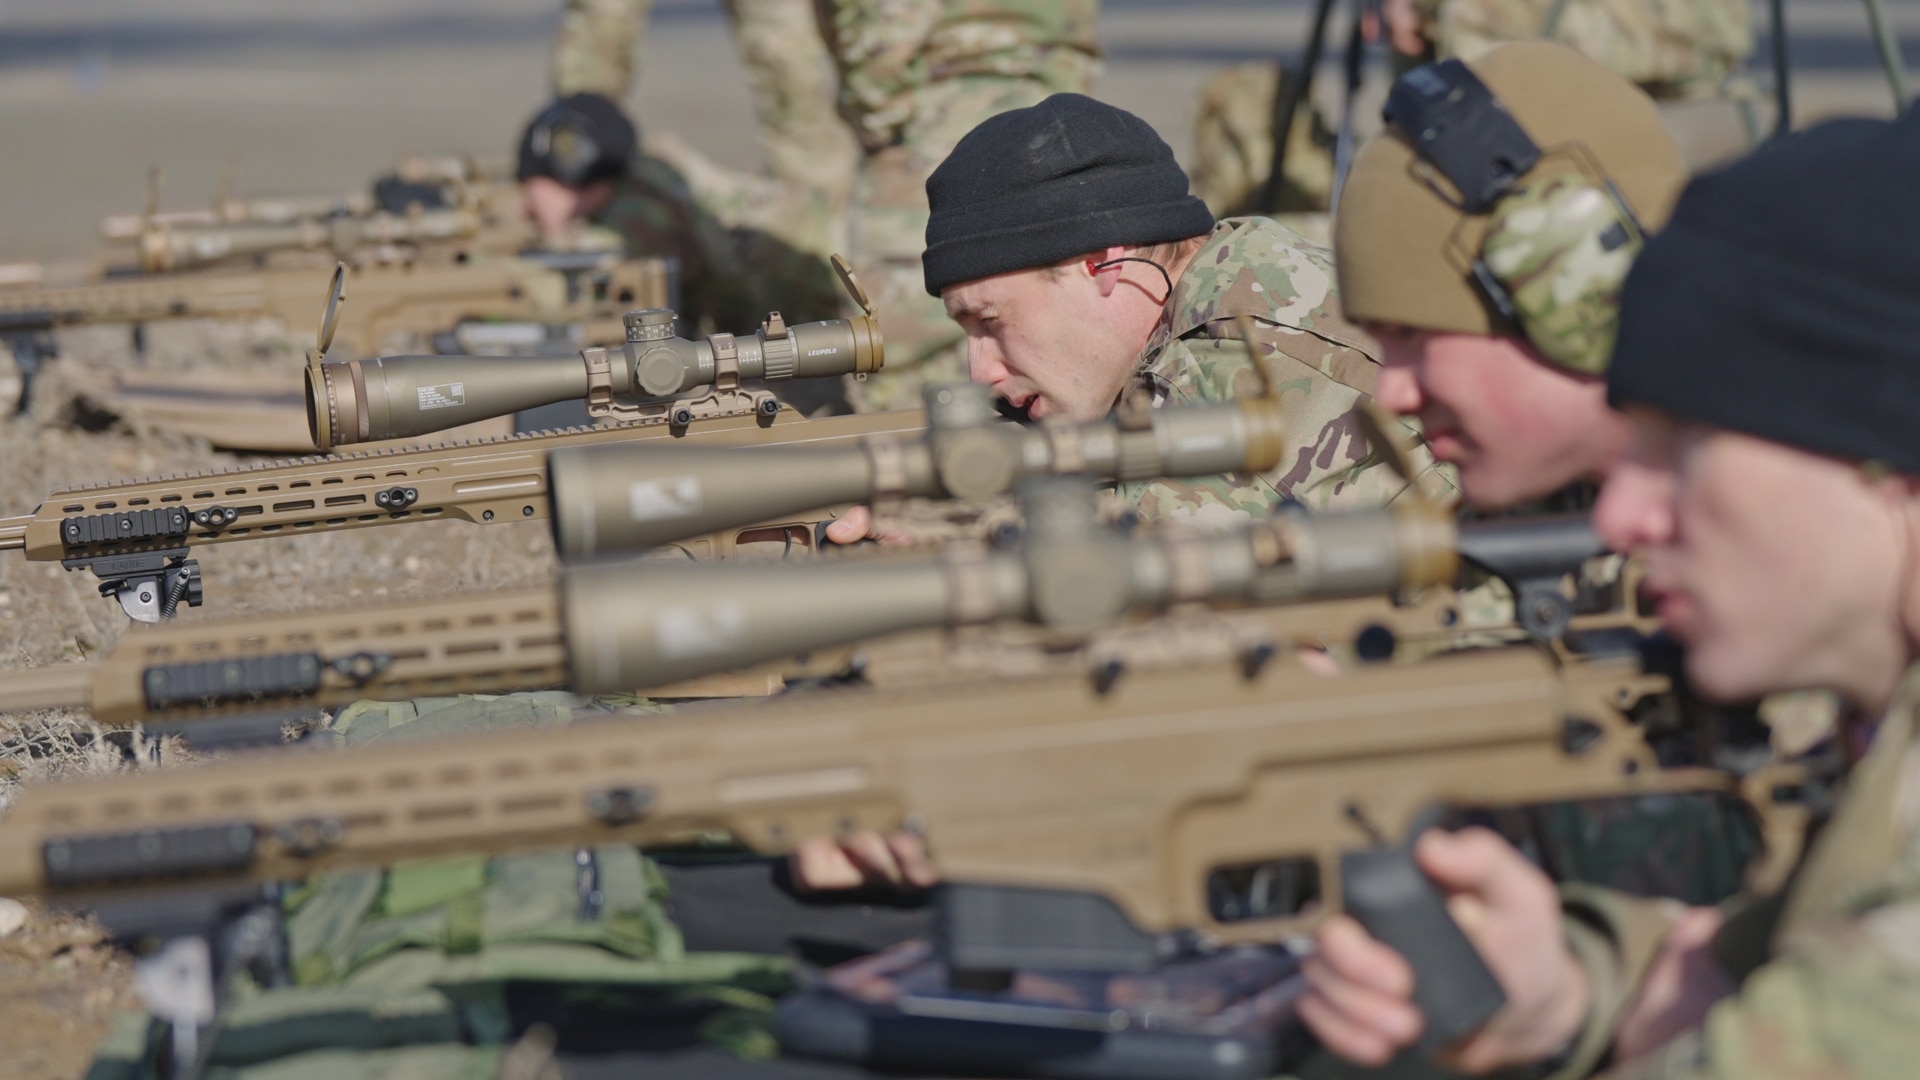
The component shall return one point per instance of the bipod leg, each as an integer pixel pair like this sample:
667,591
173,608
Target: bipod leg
1355,68
31,351
1289,94
1782,74
1889,47
190,946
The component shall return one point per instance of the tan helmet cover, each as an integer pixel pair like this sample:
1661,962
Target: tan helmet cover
1405,254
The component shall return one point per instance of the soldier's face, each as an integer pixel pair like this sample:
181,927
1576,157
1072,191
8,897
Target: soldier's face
1516,427
552,206
1051,339
1779,569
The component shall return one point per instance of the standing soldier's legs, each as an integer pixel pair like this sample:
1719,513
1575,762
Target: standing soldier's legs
595,46
795,95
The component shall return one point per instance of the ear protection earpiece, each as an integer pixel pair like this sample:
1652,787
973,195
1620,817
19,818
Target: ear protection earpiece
1559,241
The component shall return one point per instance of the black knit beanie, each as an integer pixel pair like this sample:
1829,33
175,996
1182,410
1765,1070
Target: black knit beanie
1035,186
1783,297
576,140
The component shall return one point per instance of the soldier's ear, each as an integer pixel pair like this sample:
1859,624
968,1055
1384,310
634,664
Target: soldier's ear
1104,268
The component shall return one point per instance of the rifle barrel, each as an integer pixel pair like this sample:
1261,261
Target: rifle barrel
63,686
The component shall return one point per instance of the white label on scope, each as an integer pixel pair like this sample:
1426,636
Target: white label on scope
659,500
682,632
828,351
444,396
1207,440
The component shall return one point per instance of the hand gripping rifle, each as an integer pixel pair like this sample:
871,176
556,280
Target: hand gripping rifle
1082,823
137,536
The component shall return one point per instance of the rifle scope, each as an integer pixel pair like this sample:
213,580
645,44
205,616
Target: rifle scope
393,397
631,626
612,499
164,247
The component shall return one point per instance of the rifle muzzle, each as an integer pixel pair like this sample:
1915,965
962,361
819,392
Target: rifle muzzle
616,499
395,397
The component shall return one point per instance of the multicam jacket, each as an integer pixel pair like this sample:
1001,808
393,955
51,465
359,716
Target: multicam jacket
1322,366
1830,976
1671,48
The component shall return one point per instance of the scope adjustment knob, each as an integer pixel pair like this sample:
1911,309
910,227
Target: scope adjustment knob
649,324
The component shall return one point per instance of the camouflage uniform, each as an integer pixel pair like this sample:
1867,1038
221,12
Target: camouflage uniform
746,246
802,137
1675,50
1322,366
916,76
1233,147
1828,973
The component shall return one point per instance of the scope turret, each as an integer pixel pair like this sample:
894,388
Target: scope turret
613,499
631,626
167,247
394,397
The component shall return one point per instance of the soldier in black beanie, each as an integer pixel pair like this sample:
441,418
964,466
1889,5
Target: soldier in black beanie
570,157
1769,357
1064,241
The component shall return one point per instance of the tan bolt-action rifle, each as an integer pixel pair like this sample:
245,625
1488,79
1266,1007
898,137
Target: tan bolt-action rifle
136,536
430,210
421,301
1080,824
1279,581
429,181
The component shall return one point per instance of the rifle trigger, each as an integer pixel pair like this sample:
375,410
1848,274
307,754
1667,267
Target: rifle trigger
620,806
1255,659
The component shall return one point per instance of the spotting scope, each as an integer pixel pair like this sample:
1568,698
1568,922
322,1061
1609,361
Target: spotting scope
654,371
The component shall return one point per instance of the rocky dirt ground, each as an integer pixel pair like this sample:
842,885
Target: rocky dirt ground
60,982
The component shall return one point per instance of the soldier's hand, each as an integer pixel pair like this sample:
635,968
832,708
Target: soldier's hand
1358,998
1402,18
851,527
863,859
857,524
1686,979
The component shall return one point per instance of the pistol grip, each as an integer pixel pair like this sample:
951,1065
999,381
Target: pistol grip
1388,894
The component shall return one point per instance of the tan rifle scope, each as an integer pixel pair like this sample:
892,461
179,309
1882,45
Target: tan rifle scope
610,501
396,397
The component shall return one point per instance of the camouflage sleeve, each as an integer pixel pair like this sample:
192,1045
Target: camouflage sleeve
796,95
596,45
1846,1007
1838,998
1670,49
888,51
1326,461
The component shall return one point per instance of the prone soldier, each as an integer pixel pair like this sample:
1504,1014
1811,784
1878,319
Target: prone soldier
1770,489
914,77
1064,244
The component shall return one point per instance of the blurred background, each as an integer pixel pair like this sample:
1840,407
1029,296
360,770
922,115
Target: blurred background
317,97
